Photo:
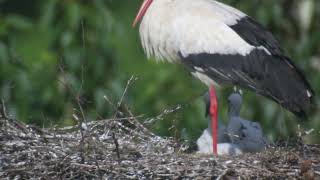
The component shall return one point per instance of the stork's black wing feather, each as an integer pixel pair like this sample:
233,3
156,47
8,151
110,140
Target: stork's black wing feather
258,71
256,35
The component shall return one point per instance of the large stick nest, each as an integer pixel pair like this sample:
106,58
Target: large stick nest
125,149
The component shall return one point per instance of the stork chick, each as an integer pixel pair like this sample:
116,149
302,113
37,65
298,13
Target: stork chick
240,135
248,135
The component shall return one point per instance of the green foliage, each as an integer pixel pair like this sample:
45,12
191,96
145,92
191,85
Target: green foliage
54,51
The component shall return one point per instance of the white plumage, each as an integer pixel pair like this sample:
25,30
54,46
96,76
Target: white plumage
219,43
204,143
171,27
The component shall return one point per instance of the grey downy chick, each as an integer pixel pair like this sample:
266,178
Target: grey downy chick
248,135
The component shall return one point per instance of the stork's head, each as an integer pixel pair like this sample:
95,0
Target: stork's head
143,9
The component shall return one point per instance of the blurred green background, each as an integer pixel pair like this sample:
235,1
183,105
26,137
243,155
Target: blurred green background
54,50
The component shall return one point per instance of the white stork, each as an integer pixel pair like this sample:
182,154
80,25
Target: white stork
221,44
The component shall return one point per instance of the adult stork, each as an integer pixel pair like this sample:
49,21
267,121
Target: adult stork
221,44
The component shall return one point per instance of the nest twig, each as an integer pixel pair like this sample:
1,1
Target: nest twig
126,153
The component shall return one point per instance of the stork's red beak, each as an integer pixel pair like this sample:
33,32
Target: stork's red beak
143,9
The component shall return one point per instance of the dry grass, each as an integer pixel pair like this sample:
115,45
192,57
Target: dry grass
124,149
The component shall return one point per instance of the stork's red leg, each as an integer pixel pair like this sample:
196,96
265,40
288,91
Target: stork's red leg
214,118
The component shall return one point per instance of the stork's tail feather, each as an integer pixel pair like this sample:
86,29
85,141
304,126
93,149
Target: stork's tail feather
301,98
